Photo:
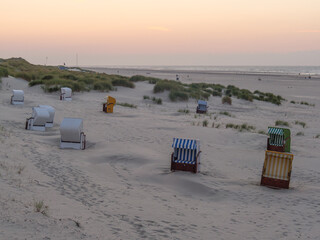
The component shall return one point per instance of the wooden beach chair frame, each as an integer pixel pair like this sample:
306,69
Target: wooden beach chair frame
187,163
276,171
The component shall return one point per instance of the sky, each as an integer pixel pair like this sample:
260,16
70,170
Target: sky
166,32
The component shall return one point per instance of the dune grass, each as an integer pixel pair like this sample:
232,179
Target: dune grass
303,124
52,79
242,127
40,207
186,111
282,123
127,105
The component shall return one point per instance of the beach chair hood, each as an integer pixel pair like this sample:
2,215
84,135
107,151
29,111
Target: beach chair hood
51,111
71,129
18,95
40,116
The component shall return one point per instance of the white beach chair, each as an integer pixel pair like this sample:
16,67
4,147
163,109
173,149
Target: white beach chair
40,116
51,111
66,94
72,135
17,97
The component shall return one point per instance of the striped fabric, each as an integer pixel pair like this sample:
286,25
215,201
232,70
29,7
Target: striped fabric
276,136
185,150
277,165
184,143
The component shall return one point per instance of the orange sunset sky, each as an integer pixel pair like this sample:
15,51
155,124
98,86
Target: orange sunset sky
166,32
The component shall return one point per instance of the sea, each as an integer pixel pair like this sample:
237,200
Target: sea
303,70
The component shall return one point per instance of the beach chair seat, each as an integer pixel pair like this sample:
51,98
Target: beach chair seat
279,139
186,155
17,97
202,106
107,107
72,135
38,120
51,111
66,94
276,171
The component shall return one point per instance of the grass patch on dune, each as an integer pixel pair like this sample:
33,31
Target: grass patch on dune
40,207
52,78
303,124
127,105
282,123
242,127
186,111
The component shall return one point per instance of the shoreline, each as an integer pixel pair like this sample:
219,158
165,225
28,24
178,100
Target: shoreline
147,71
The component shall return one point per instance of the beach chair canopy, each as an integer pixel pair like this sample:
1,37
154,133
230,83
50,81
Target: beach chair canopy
51,111
66,91
70,129
40,116
18,95
110,100
276,131
185,150
201,102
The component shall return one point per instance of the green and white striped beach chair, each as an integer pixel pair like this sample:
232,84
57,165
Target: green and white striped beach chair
279,139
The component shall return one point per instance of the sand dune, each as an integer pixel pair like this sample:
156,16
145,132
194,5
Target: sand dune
121,186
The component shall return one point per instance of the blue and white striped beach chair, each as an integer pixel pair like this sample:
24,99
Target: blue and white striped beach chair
186,155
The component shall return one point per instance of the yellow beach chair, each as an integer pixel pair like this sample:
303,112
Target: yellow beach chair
276,170
108,106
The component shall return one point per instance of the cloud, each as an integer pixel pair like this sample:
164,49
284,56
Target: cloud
159,28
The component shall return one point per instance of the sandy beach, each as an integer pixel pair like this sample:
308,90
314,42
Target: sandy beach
121,187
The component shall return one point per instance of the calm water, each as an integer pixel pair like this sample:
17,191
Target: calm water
304,70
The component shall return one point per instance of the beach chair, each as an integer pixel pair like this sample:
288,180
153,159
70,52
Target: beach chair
108,106
40,116
202,106
72,135
66,94
279,139
186,155
17,97
51,111
276,171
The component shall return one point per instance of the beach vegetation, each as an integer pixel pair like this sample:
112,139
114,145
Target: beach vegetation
51,78
103,86
145,97
282,123
3,72
140,78
303,124
317,136
293,102
127,105
307,104
205,123
40,207
226,114
262,132
300,134
157,100
241,128
184,110
226,99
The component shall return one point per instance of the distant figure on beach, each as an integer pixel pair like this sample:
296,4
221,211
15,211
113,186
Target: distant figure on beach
177,77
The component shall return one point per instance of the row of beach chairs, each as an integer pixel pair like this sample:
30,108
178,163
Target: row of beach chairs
276,171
